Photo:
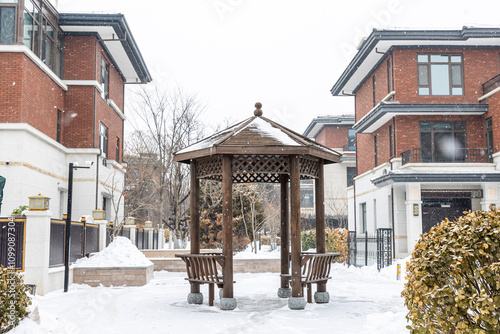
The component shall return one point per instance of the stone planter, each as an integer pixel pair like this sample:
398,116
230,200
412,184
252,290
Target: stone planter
113,276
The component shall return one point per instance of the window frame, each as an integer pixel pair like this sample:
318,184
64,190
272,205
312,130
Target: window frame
391,140
363,217
450,64
390,83
14,5
105,77
433,131
103,139
117,156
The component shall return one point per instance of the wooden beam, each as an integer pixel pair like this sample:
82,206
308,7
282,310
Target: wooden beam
319,188
227,225
285,232
195,216
295,224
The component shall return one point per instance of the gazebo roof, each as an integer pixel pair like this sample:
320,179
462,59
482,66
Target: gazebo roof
256,135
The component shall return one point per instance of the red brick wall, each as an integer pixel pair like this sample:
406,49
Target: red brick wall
115,80
333,136
479,67
106,115
10,87
79,58
79,117
41,98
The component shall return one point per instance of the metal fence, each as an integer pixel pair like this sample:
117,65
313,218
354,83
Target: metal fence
84,240
365,249
12,234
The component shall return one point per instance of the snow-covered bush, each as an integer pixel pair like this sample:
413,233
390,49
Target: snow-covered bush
336,241
13,299
453,277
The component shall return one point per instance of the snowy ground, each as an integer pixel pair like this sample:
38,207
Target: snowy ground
361,301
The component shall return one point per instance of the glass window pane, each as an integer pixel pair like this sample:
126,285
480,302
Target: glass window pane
442,126
439,59
422,58
440,80
7,25
443,146
459,126
423,75
456,59
426,146
425,126
50,31
423,91
456,75
36,40
28,30
457,91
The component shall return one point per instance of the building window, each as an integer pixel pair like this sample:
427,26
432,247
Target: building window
374,214
375,144
440,74
117,149
307,194
374,91
442,141
106,208
59,116
362,213
391,140
351,174
389,75
105,77
7,23
103,140
42,36
136,174
351,133
489,136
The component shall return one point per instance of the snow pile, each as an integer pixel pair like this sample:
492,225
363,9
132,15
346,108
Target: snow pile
265,252
120,253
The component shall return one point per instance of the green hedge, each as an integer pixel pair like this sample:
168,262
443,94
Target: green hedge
453,282
13,299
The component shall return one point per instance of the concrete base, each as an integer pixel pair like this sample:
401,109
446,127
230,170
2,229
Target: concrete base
284,293
322,297
195,298
296,303
228,304
116,276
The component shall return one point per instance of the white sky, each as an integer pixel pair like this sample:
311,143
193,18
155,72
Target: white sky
286,54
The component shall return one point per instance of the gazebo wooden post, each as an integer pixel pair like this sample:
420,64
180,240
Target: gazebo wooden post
285,291
321,296
195,297
296,301
227,300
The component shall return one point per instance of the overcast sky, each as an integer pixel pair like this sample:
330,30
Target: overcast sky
286,54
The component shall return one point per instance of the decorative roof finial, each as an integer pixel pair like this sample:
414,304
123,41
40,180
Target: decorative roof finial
258,110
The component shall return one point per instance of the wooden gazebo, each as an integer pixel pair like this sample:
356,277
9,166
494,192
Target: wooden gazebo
258,150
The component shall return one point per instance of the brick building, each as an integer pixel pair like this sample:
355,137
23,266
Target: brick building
61,101
334,132
427,112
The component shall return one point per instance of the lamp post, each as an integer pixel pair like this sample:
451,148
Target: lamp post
68,224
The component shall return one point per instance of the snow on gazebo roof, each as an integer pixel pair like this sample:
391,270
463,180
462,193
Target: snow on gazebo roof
256,135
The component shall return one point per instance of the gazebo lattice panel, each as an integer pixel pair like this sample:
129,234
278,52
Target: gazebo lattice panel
209,168
309,166
244,164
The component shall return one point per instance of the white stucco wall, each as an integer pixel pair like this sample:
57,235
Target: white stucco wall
34,163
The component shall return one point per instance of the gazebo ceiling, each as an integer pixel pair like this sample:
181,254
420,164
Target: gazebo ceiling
259,146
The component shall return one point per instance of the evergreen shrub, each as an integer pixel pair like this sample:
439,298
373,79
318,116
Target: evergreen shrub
453,277
14,299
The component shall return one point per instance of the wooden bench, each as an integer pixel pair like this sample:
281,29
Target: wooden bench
315,269
202,269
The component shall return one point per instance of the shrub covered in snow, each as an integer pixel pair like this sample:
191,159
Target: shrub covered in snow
14,299
453,277
336,241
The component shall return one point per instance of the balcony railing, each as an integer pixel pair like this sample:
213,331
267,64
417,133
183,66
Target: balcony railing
491,84
458,155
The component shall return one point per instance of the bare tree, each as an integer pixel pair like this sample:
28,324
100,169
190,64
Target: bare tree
166,122
336,203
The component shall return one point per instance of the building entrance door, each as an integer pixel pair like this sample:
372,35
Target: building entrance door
434,210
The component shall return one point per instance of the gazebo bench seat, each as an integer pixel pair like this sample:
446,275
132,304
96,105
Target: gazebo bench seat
202,269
